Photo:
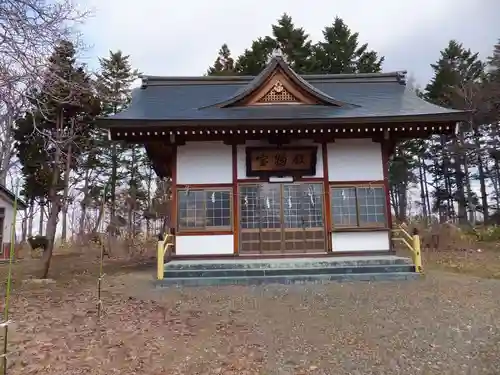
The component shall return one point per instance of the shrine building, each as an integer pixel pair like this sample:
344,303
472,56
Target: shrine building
278,164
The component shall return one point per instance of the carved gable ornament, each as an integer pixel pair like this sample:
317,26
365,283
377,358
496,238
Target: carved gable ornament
278,84
279,90
278,94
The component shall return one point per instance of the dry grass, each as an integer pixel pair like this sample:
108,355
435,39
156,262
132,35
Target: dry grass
449,248
482,263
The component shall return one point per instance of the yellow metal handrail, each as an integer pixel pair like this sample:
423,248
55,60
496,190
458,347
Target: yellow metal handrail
164,245
412,242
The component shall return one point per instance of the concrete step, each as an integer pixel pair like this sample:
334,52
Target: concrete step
331,269
287,263
287,280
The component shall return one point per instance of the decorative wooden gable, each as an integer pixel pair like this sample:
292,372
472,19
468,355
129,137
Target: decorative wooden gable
279,90
278,94
278,84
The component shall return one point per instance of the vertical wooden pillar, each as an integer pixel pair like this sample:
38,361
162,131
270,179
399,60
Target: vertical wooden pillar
173,187
385,166
326,201
236,221
385,145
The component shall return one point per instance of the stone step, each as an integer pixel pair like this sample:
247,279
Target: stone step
279,271
287,263
287,280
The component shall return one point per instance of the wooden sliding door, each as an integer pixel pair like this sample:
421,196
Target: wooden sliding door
281,218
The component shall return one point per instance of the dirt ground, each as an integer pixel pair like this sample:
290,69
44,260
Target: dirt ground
482,262
444,324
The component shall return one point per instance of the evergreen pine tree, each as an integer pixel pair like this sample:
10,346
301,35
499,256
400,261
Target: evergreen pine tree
340,52
115,80
51,135
291,40
254,59
224,64
456,70
493,84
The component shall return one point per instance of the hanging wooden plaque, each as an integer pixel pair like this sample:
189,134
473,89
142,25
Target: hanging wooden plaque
280,161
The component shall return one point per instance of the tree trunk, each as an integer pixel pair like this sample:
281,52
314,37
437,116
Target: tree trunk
447,182
6,150
496,184
482,177
149,198
133,191
471,209
24,227
83,207
460,193
99,218
427,201
42,218
114,172
64,223
73,231
394,200
403,201
81,223
56,204
31,213
67,171
425,213
50,232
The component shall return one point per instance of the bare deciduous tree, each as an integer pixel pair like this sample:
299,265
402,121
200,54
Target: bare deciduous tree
29,30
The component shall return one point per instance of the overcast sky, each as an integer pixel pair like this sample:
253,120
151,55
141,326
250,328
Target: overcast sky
182,37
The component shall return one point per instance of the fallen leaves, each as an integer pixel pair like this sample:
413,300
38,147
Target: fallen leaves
338,328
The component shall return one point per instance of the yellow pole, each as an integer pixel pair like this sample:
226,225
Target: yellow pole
160,259
417,253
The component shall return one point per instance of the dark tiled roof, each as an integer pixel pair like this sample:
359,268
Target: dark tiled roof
346,97
10,195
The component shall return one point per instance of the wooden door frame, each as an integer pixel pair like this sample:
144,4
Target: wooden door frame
283,229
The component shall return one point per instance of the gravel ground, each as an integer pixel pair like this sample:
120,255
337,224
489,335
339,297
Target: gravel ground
443,324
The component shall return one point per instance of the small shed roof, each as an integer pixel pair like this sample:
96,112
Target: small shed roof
11,197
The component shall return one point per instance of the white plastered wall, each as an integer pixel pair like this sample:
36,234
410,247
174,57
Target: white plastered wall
204,163
7,221
218,244
357,160
360,241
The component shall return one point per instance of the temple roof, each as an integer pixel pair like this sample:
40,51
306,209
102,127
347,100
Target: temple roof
330,98
277,63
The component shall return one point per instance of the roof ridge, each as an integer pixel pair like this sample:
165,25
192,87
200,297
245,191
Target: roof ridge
278,63
395,76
